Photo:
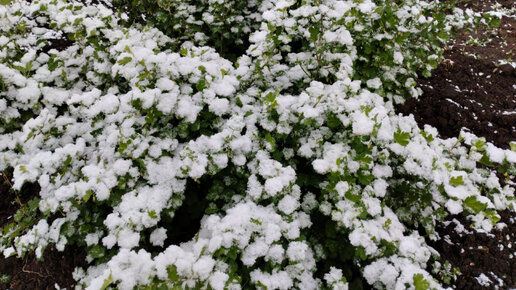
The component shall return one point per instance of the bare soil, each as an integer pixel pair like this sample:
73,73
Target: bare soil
472,90
469,90
28,272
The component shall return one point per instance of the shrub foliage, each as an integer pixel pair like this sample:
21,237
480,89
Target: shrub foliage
271,122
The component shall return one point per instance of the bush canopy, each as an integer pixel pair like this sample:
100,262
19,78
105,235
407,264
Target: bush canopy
215,144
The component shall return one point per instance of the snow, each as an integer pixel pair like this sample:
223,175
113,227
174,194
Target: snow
297,251
203,267
219,106
253,251
398,57
483,280
131,268
342,187
275,253
454,206
158,237
288,204
374,83
268,217
495,154
362,125
333,276
8,252
29,93
218,280
128,239
276,280
380,187
366,7
92,239
121,166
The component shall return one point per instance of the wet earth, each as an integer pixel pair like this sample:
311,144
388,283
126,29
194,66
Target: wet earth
472,89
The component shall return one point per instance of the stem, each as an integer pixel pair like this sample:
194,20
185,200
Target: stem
306,73
318,100
456,143
16,197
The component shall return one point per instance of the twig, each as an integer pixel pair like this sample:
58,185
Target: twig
32,272
16,197
306,73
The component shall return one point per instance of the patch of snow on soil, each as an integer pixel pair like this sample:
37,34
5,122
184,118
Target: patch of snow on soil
483,280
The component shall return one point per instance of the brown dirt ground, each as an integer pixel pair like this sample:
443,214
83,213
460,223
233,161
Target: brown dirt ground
493,254
467,90
29,273
470,90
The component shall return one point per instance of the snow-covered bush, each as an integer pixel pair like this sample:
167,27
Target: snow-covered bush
307,176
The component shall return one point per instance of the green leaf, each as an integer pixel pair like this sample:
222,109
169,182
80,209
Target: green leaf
19,68
67,161
474,205
152,214
97,251
68,229
428,137
401,138
87,195
201,85
270,139
123,146
494,21
485,161
255,221
184,51
52,64
333,121
4,278
314,31
211,209
480,145
360,252
233,252
23,169
513,146
5,2
271,97
492,215
420,283
124,60
352,197
172,273
28,66
365,179
389,248
107,282
456,181
137,104
78,21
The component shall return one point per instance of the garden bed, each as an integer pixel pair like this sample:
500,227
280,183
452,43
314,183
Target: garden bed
473,89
